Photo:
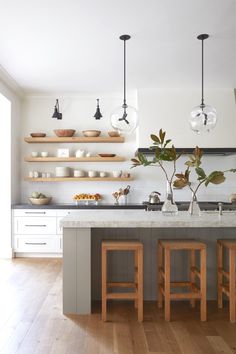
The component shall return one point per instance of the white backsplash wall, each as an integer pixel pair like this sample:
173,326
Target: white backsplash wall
78,114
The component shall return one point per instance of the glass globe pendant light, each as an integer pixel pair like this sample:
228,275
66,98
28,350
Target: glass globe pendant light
124,118
203,118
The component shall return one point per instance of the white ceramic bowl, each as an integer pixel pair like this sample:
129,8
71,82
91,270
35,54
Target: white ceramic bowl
91,133
102,174
34,153
92,173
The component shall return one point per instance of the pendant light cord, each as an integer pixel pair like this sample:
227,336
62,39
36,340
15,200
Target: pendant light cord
125,74
202,103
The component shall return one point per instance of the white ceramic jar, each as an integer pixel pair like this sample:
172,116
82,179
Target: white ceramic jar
92,173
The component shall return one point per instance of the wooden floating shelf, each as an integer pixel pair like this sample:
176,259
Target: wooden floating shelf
75,139
75,159
77,179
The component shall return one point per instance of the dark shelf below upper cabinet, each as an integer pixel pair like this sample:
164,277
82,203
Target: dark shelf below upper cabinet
206,151
80,206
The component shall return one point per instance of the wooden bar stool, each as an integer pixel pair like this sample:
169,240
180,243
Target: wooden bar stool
164,283
137,285
228,288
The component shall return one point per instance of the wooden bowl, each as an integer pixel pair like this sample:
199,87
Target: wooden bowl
38,135
40,201
91,133
66,133
107,155
114,134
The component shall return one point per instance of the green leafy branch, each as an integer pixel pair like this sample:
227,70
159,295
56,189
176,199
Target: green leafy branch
163,152
215,177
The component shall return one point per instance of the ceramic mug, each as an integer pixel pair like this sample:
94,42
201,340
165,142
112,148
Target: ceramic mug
34,153
79,153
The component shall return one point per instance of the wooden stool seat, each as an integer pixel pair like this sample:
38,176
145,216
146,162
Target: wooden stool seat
229,287
137,285
195,292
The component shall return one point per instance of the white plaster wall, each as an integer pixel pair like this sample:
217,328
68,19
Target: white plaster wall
15,140
78,113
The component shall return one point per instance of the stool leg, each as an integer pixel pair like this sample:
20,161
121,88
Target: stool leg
136,275
159,276
232,285
104,284
140,284
167,284
219,274
203,284
192,274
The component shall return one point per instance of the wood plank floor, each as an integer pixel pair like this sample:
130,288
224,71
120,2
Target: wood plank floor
31,320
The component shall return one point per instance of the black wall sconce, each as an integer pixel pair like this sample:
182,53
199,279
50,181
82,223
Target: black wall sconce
57,113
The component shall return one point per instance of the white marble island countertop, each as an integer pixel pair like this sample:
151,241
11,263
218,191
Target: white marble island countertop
142,218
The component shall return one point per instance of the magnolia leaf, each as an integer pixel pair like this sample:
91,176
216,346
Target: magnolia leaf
167,142
190,163
200,172
155,138
232,170
180,183
216,177
135,161
180,175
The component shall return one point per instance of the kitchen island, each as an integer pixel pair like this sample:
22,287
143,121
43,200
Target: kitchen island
83,232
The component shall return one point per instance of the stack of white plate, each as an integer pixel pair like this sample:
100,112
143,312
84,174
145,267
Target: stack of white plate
62,171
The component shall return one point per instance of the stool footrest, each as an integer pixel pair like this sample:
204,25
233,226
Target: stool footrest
121,285
223,272
186,296
196,271
124,296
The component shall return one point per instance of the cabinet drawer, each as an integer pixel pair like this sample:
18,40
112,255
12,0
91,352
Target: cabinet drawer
31,243
35,212
35,225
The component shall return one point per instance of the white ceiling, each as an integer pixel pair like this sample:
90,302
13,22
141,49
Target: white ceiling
73,45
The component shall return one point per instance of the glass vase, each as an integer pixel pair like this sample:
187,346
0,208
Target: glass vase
194,208
169,207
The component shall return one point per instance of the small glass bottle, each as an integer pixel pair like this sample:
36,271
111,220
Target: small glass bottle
169,207
194,208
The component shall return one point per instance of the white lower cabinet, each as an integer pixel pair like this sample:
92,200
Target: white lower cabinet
37,232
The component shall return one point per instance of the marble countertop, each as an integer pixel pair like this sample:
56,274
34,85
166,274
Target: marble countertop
142,218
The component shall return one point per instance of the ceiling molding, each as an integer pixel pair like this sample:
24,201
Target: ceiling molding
10,82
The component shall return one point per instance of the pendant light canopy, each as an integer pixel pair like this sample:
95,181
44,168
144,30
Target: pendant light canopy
98,114
203,118
124,118
57,113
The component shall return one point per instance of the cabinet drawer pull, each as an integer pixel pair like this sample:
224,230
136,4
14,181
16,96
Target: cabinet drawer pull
36,225
35,212
35,243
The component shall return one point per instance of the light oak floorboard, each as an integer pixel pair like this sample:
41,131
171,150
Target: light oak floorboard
31,320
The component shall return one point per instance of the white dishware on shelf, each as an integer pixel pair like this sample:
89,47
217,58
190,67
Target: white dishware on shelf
62,171
48,174
79,153
44,175
31,174
34,153
35,174
44,153
102,174
79,173
116,174
88,154
92,173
